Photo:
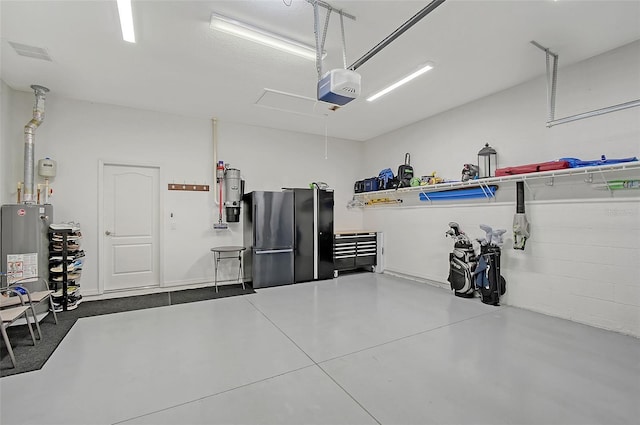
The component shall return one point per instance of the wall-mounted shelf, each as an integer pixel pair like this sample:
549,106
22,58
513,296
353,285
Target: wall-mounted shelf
395,197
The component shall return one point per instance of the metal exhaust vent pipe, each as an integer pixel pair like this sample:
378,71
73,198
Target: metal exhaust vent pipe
29,137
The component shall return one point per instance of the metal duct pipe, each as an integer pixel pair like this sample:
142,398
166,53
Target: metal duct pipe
29,138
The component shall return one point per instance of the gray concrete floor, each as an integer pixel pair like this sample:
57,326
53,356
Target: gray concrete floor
360,349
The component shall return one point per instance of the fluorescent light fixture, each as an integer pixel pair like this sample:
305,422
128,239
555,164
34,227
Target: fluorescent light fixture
248,32
126,20
397,84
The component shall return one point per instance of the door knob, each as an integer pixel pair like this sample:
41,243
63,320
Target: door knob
108,233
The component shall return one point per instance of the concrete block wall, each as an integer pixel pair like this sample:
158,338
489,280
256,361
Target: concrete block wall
583,259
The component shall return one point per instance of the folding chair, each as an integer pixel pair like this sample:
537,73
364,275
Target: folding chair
33,298
11,314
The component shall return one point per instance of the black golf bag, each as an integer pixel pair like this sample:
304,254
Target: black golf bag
462,263
488,281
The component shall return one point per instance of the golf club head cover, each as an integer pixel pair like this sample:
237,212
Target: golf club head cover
456,227
488,230
497,236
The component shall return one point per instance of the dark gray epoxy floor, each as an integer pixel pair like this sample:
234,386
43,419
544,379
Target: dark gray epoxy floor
363,348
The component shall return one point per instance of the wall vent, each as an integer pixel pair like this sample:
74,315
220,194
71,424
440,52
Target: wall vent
31,51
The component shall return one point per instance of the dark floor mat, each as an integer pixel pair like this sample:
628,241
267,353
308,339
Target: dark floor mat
118,305
201,294
30,357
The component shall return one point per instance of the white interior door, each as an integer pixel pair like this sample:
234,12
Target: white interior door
131,216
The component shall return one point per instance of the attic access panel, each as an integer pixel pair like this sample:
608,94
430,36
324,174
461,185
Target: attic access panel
294,103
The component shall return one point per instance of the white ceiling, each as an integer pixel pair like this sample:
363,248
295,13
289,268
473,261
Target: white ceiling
179,65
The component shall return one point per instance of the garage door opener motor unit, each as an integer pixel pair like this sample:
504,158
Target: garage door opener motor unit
339,86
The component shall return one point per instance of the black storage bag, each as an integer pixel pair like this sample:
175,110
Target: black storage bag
371,184
358,187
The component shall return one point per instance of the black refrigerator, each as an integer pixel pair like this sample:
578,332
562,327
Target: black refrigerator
313,236
268,224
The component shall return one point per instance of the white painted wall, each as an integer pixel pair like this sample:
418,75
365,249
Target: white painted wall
5,139
79,134
272,159
583,259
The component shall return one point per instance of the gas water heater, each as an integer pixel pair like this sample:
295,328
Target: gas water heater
24,242
233,194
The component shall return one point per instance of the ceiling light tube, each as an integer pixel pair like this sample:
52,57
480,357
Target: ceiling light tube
397,84
126,20
248,32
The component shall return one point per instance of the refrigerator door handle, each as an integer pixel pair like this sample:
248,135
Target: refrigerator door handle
274,251
255,215
316,252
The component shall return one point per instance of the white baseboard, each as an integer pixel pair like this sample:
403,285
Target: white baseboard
444,285
167,287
